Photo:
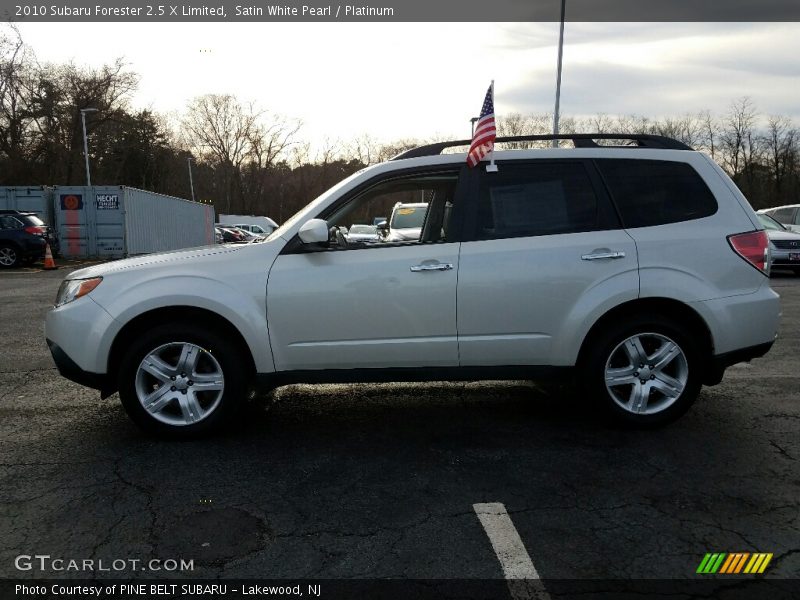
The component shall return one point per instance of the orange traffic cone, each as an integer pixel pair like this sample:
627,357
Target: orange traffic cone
49,263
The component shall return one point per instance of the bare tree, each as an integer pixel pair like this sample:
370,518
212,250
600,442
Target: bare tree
780,143
231,134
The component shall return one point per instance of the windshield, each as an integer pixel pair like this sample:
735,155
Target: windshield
292,221
770,223
363,229
406,217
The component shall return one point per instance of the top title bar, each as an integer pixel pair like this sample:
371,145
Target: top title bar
402,11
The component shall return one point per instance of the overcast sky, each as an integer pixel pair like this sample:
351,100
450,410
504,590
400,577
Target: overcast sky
418,80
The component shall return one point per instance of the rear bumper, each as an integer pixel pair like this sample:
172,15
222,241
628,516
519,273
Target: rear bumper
33,248
724,361
70,369
720,362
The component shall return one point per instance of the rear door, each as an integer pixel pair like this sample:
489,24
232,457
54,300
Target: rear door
543,252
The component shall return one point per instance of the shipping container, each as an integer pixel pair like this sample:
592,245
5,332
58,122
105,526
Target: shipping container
116,221
38,199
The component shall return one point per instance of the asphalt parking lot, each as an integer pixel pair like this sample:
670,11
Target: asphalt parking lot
379,481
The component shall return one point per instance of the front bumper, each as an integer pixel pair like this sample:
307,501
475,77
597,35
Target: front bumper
70,369
780,258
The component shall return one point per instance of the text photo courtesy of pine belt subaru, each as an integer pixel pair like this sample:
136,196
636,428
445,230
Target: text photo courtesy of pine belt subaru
639,269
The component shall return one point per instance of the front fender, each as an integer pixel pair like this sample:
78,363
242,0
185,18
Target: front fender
243,306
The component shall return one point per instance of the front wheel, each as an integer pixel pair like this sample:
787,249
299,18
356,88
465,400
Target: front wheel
645,372
176,381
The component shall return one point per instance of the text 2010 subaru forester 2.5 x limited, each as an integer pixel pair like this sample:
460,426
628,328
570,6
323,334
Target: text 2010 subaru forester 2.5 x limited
640,266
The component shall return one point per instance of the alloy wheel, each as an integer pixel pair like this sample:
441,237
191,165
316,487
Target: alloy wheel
646,373
179,383
8,256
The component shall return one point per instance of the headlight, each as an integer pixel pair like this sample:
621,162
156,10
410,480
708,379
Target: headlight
72,289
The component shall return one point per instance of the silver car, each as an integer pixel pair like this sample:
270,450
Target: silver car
784,245
363,233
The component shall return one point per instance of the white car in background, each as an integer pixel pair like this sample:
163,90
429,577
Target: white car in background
638,271
405,223
784,244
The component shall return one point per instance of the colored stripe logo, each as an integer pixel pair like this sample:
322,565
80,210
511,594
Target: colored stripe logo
733,563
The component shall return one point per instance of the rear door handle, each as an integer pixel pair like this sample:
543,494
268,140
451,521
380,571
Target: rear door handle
432,267
602,255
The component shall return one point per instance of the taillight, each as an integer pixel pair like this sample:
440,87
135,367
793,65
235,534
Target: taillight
753,247
35,230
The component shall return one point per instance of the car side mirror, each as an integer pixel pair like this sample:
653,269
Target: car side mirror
314,231
382,226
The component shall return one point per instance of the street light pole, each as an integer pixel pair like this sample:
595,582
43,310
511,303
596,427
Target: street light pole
86,143
474,120
558,73
189,160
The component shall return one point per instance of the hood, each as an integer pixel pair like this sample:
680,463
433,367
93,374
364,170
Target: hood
153,260
783,235
402,235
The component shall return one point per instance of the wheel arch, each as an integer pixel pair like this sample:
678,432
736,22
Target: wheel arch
172,314
666,307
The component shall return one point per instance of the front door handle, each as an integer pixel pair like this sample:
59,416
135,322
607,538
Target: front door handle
601,255
432,267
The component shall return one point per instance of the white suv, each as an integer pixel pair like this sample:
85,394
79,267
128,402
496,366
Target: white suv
641,269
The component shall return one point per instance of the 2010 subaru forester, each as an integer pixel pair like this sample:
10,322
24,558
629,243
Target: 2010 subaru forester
640,267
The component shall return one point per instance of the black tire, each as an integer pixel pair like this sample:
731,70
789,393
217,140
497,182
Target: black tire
227,355
9,256
604,345
796,271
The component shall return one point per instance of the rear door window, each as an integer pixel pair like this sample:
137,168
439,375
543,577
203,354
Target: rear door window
652,192
536,198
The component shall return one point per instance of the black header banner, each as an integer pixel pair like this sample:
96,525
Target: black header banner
152,11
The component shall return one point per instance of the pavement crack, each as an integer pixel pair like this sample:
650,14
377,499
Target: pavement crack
148,494
781,450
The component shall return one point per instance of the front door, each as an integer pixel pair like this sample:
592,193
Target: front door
373,304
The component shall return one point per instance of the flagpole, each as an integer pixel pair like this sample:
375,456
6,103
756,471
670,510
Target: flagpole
558,73
491,167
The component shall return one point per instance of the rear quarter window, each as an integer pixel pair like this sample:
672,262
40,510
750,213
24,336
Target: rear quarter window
650,192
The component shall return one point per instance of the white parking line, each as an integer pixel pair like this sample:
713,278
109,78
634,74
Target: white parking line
522,578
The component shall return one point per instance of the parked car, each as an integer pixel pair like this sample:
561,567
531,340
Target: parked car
363,233
638,271
788,216
784,244
247,236
264,224
23,236
230,235
254,229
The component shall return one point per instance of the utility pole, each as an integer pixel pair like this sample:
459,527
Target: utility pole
189,160
86,143
558,72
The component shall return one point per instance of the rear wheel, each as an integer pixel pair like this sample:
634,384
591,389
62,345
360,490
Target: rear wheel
178,382
9,256
645,372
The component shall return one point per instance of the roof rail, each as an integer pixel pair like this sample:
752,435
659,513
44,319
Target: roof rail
581,140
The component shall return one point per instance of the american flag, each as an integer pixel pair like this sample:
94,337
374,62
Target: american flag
485,133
